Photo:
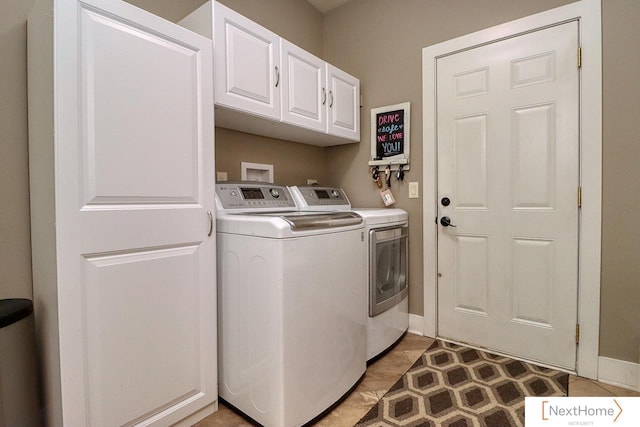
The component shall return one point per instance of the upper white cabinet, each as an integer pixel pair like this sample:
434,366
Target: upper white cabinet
247,64
318,96
268,86
343,104
304,94
121,156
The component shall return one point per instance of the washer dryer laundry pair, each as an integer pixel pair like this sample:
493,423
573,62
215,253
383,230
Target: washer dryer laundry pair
388,261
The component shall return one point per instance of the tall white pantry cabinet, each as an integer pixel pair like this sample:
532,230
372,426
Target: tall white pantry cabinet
121,150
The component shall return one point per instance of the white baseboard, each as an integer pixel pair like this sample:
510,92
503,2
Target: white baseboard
619,373
416,324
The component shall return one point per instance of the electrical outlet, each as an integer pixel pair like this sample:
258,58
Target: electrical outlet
312,181
414,190
221,176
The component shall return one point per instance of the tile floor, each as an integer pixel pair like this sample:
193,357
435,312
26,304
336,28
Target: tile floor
380,376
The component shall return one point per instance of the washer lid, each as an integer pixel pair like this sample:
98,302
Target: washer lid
287,224
318,221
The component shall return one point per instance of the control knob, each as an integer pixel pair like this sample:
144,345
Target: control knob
274,192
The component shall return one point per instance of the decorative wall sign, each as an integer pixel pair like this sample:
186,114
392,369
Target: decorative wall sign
390,132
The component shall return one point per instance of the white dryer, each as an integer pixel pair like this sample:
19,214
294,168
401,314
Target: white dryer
291,304
388,262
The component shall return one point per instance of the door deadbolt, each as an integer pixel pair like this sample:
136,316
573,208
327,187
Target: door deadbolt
445,201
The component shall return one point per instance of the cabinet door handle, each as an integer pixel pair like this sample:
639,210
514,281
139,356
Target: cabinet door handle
277,76
324,96
330,99
210,223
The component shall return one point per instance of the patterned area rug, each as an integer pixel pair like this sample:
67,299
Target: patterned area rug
456,386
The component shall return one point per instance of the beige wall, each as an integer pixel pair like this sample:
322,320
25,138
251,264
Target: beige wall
357,37
620,303
15,245
293,163
171,10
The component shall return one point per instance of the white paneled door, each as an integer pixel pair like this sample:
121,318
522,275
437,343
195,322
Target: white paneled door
508,178
134,206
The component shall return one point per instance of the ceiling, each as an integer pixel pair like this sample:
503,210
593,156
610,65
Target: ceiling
326,5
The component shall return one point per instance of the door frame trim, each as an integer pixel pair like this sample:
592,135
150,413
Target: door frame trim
588,14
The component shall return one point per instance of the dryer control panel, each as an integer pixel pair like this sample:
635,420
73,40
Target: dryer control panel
320,198
250,196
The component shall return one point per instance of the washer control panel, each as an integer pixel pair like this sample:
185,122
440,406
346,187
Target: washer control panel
247,195
314,197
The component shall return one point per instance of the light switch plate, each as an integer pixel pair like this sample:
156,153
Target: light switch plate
414,190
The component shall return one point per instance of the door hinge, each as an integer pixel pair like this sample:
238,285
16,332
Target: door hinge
577,334
579,197
580,57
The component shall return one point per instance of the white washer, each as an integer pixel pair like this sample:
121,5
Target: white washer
387,254
291,306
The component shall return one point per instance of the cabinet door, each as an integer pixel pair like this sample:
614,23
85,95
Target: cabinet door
304,95
247,64
134,174
343,103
